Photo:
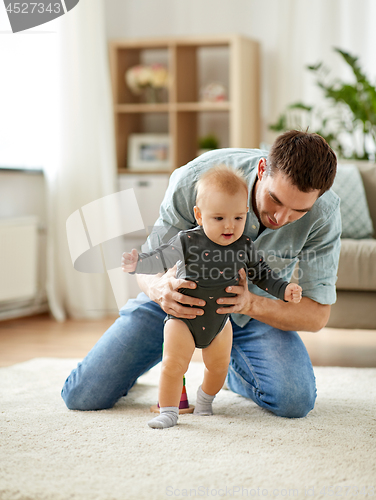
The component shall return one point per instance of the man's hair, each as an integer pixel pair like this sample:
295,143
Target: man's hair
223,178
307,159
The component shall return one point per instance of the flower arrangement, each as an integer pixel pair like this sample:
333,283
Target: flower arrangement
142,78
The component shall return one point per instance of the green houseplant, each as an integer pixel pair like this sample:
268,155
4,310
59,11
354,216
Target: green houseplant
347,119
207,143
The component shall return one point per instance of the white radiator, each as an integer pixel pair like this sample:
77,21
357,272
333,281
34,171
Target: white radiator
18,259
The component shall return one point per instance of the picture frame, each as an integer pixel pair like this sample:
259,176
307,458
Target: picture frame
149,152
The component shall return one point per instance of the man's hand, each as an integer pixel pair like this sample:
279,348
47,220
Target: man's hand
293,293
164,291
129,261
308,315
242,302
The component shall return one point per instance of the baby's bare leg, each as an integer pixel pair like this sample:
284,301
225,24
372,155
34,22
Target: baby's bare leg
178,348
216,358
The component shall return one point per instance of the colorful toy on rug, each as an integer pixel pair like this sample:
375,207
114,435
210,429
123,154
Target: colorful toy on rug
184,406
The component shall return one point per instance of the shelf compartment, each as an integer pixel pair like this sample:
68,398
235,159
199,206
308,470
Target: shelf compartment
137,123
217,124
196,66
124,58
190,125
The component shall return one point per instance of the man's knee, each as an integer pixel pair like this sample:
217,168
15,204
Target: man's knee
77,401
72,401
294,401
76,396
288,395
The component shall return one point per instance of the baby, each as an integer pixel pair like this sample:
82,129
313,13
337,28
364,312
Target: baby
211,255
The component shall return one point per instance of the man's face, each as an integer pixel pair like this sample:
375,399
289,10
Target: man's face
278,201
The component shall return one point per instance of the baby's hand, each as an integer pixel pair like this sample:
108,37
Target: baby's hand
129,261
293,293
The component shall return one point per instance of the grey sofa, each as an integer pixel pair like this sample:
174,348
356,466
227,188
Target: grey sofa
356,284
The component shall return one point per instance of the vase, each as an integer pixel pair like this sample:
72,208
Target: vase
152,95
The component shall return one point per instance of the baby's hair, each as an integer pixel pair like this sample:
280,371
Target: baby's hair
222,177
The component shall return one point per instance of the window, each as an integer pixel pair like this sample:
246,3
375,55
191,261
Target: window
27,93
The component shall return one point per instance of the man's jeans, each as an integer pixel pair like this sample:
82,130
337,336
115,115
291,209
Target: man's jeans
269,366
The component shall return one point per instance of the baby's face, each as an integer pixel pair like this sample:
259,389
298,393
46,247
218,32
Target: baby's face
222,216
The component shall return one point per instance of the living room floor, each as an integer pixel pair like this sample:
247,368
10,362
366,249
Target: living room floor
41,336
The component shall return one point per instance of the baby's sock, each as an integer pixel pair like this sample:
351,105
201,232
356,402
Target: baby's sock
168,417
203,403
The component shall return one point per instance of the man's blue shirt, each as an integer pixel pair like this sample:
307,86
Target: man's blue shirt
313,241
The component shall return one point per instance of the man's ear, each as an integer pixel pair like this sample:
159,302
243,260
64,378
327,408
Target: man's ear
197,215
261,168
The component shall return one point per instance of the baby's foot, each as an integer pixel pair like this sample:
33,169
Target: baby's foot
203,403
167,418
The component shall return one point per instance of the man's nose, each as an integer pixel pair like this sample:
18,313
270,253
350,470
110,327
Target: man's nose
282,216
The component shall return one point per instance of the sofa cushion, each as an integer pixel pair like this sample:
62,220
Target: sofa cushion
368,173
356,219
357,265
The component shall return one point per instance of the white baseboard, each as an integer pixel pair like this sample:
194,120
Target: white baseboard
19,309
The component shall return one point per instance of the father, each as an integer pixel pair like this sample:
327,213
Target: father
293,217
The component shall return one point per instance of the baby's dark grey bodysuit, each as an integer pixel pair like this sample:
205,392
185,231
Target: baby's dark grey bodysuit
213,267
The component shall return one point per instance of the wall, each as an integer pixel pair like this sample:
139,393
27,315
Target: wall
292,34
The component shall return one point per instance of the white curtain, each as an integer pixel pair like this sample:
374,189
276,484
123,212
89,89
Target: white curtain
81,158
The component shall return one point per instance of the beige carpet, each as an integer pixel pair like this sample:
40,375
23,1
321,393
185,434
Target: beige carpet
49,452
